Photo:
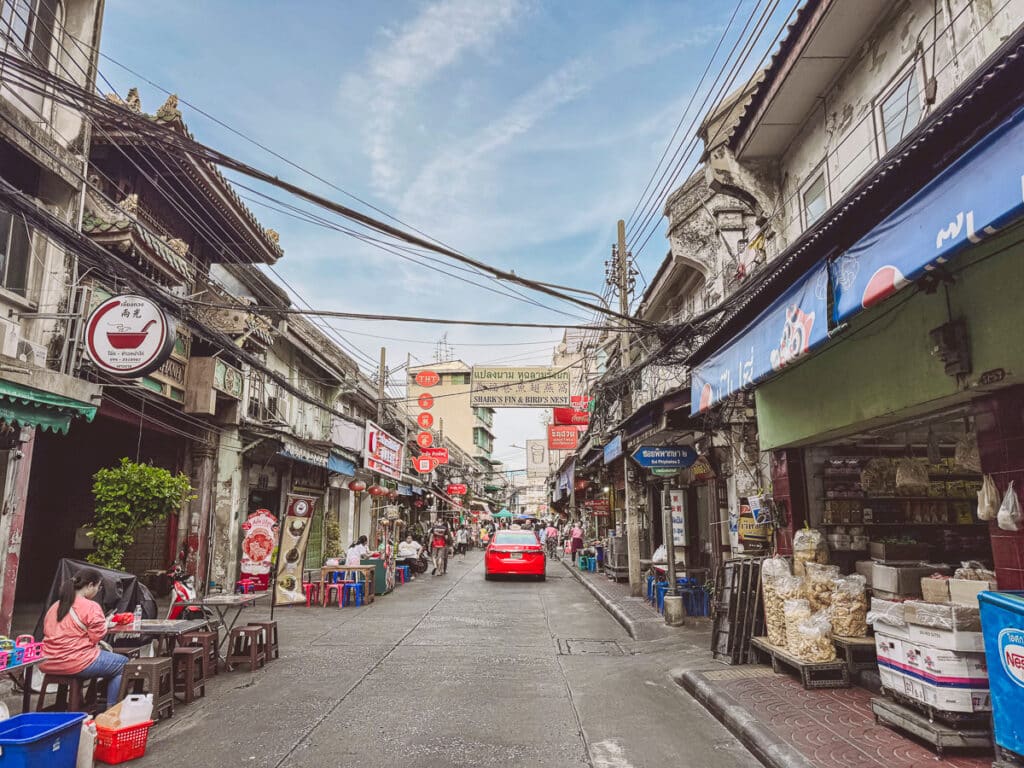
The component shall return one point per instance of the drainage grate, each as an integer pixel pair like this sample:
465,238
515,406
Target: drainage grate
739,674
589,647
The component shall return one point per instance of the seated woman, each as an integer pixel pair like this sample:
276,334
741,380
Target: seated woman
72,630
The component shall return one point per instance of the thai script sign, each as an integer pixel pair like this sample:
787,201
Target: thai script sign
382,452
665,456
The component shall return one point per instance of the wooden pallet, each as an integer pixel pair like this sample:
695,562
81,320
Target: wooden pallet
857,652
953,719
813,674
940,735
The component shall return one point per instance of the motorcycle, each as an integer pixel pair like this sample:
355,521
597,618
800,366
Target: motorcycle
184,591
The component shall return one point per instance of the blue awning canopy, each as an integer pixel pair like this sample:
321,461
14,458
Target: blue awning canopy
340,464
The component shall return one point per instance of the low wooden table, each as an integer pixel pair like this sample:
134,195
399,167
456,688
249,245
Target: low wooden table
813,674
368,572
164,631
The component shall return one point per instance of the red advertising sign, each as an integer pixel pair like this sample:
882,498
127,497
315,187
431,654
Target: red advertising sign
577,413
441,454
562,438
258,543
457,489
427,378
426,401
597,507
425,420
424,439
424,464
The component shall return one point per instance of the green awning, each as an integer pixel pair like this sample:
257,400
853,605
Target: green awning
28,407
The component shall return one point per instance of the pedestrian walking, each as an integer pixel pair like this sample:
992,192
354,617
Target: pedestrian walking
461,541
576,540
439,535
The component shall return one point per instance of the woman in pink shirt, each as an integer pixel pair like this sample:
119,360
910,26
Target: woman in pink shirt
72,630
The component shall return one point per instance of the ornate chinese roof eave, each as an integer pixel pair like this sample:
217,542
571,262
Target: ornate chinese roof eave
264,243
120,233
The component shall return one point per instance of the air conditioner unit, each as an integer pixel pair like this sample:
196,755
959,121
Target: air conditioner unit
9,338
33,354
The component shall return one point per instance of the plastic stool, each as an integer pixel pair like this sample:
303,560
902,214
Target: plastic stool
244,648
662,589
271,648
190,671
328,589
354,588
71,693
651,581
209,642
153,675
403,572
312,590
592,564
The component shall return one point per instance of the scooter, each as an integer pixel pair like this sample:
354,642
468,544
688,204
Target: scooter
184,591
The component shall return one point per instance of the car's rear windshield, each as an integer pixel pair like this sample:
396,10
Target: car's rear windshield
514,537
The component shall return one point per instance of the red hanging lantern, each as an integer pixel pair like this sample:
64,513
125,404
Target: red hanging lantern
376,490
357,485
392,494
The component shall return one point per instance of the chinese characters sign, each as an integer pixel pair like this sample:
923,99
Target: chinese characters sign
531,387
382,452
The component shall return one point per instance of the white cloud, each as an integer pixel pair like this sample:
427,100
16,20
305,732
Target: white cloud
414,56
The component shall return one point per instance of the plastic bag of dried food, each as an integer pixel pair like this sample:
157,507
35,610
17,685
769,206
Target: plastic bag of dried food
795,611
1009,511
911,477
966,456
820,580
774,576
878,476
809,546
849,609
972,570
988,499
814,639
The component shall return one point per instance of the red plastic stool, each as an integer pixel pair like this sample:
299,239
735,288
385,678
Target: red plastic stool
312,590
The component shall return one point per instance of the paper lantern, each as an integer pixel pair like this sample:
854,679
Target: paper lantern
393,493
357,485
376,490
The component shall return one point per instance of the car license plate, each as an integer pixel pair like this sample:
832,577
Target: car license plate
517,555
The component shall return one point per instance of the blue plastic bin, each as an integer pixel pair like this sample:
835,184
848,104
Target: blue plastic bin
37,739
1002,621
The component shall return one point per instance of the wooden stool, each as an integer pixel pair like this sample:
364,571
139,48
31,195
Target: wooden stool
71,695
153,675
244,648
269,639
190,662
209,642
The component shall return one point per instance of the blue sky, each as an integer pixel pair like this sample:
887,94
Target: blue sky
518,131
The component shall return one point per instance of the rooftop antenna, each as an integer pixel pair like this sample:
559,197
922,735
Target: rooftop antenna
443,352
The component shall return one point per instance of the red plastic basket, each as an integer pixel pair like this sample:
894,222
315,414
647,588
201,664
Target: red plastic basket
122,745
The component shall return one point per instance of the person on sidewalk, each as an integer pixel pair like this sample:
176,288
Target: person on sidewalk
408,553
357,551
461,541
576,539
72,630
550,536
439,535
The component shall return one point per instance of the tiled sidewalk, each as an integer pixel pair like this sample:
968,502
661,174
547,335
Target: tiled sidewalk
830,728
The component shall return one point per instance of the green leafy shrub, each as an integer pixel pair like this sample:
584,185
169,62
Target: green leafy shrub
129,497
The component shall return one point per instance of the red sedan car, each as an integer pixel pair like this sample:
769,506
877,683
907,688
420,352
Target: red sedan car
514,553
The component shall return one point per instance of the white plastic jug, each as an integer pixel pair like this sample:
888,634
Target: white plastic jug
136,708
86,745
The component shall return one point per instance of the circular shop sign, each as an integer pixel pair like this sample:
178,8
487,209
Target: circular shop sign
129,336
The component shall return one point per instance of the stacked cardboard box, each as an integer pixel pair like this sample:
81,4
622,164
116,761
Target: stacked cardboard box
937,659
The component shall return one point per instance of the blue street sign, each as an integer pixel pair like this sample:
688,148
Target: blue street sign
665,456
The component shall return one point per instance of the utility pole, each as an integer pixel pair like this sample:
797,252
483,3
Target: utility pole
382,380
626,401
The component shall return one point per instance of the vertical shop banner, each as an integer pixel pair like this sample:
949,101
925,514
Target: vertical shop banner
537,458
291,555
383,452
791,326
678,512
972,199
259,537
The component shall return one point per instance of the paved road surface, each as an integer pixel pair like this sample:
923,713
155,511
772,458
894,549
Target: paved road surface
455,671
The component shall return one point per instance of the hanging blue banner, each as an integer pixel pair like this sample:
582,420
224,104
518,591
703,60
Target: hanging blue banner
613,449
967,202
792,325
